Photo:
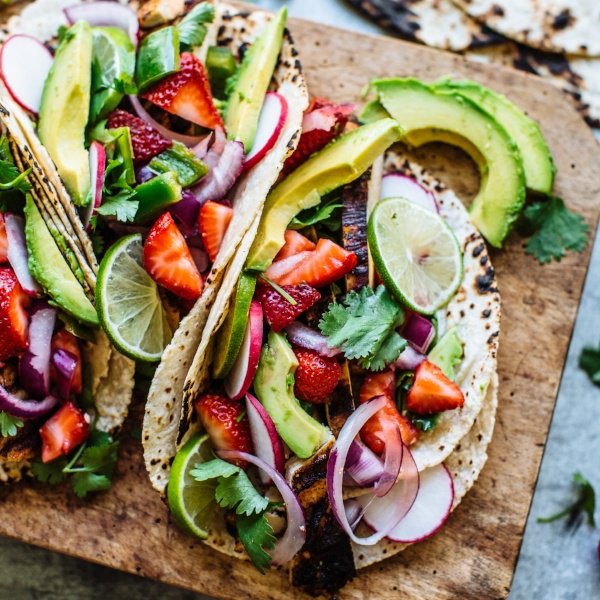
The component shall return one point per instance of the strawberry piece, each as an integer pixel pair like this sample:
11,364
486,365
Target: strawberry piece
432,392
322,123
187,94
278,311
294,243
168,260
14,321
146,141
316,376
375,430
65,340
64,431
326,263
226,422
213,221
3,241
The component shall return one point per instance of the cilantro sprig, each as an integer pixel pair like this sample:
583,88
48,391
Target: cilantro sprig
364,327
589,361
235,491
192,28
90,467
327,214
9,425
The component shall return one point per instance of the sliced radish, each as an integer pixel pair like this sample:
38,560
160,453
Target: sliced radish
266,440
396,185
17,254
242,373
24,66
97,171
428,513
270,123
105,14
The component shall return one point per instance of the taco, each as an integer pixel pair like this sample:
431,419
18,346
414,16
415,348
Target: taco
58,371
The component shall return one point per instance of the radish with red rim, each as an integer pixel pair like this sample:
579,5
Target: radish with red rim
270,123
97,171
105,14
24,66
396,185
426,516
240,378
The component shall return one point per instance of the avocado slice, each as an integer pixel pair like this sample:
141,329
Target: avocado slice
274,386
51,270
251,81
526,133
427,115
64,111
339,163
447,353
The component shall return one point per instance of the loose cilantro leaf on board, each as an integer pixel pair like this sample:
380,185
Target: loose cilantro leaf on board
589,361
327,214
192,28
585,503
554,229
51,472
362,326
256,534
9,424
120,206
85,483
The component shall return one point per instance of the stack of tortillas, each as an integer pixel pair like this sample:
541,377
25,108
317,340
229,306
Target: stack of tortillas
556,39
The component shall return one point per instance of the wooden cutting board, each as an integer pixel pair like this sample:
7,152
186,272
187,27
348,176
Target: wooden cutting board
474,555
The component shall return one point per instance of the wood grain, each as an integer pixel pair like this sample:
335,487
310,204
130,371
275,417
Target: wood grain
474,555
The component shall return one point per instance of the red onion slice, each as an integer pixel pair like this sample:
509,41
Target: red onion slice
186,212
305,337
34,365
25,409
17,254
418,332
200,257
105,14
65,363
142,113
409,359
363,465
289,544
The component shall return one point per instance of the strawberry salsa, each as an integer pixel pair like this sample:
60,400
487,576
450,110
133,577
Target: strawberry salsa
326,350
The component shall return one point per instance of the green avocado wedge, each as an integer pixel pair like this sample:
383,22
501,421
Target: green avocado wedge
339,163
274,386
51,270
526,133
426,115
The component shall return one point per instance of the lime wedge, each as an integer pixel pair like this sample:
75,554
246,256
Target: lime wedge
113,60
416,254
192,502
128,303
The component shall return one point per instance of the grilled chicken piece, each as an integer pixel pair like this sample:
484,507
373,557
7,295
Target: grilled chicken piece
153,13
23,446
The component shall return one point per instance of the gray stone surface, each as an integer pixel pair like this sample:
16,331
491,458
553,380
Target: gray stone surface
554,564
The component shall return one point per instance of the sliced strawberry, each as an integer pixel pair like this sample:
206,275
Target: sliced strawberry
225,421
316,376
187,94
294,243
146,141
281,268
432,392
14,321
64,431
326,263
65,340
213,221
374,431
278,311
168,260
3,241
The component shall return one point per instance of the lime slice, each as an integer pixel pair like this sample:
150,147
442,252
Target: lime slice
128,303
192,502
113,60
416,254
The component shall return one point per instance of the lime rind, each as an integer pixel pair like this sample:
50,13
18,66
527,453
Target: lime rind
416,254
129,304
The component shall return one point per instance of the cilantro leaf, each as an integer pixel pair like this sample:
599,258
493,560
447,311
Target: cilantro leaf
554,229
326,213
51,472
362,325
589,361
100,459
120,206
585,503
192,29
9,424
238,492
213,468
84,483
256,534
424,422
